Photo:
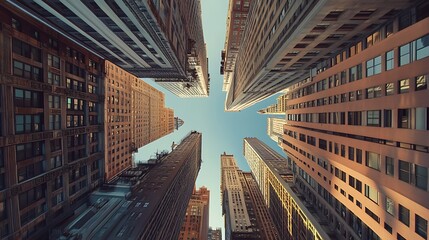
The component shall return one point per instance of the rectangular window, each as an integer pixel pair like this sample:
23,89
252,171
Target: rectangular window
371,193
53,79
390,89
351,153
24,70
404,118
29,150
54,101
54,122
373,66
390,166
358,155
404,86
405,54
421,227
404,215
404,171
53,61
390,206
421,83
372,160
359,95
421,177
387,118
56,162
26,98
389,60
422,47
28,123
373,118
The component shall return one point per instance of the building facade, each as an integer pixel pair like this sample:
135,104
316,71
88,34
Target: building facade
214,234
235,24
246,215
278,108
284,41
151,39
51,125
275,129
196,222
135,115
293,217
357,132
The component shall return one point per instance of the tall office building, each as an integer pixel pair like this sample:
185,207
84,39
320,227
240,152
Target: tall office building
275,129
357,131
196,221
278,108
246,215
215,234
150,39
293,217
146,202
197,81
51,151
235,24
135,115
283,41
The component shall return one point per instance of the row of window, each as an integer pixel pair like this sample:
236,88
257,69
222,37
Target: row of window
408,118
26,50
420,83
27,71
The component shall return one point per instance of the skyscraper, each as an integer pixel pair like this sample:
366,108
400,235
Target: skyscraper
146,202
275,129
215,234
293,216
151,39
235,24
278,108
246,215
357,131
196,221
284,41
51,156
135,115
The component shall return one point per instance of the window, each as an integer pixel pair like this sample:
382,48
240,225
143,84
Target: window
351,153
359,95
24,70
53,79
53,61
31,171
373,118
358,155
390,166
28,123
343,150
421,226
404,118
372,160
421,83
26,50
26,98
404,171
421,177
389,60
387,118
355,73
371,193
75,104
390,89
373,92
373,66
404,215
29,197
390,206
54,101
422,47
404,86
58,198
29,150
405,54
54,122
56,162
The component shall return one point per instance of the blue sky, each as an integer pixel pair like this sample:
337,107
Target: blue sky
222,131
